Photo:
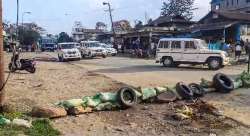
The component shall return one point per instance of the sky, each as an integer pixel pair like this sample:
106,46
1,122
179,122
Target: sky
59,15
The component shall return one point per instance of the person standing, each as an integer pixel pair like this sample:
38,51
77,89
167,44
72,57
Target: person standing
238,50
247,46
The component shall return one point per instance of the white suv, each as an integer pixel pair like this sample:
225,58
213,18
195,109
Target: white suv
109,48
175,51
68,51
92,49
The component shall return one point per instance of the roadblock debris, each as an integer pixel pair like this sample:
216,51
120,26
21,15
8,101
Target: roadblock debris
4,121
127,97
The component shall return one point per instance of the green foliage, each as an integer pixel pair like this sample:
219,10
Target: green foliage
64,37
14,115
42,127
182,8
245,78
139,25
28,36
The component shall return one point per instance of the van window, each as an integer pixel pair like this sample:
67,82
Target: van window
161,44
164,44
176,45
190,45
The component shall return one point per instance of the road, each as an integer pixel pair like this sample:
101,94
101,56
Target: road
146,73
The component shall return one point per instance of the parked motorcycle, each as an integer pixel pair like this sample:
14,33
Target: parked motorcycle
21,64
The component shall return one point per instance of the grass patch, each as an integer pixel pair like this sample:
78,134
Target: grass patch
13,115
41,127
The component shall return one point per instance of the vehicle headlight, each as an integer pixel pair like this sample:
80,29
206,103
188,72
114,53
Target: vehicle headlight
225,54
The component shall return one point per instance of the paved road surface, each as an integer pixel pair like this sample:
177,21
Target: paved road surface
146,73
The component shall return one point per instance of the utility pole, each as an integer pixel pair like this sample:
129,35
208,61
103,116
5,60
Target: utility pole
17,20
111,17
1,58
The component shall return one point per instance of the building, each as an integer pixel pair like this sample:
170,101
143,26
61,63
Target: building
176,23
228,23
164,26
122,26
231,5
80,34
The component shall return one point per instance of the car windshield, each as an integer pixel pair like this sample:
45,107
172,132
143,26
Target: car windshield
203,44
105,46
67,46
94,45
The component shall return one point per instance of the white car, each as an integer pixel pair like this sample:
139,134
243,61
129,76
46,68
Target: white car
68,51
175,51
110,50
92,49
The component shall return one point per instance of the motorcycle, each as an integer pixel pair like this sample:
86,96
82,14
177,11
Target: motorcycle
22,64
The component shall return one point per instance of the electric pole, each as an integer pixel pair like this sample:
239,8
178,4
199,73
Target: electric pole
17,20
1,58
111,17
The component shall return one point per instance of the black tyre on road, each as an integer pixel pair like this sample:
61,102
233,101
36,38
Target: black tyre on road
184,91
104,56
127,97
167,62
214,63
223,83
198,91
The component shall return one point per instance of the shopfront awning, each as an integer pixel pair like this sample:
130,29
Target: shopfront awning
213,26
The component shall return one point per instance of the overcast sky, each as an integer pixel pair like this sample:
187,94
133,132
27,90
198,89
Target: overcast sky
59,15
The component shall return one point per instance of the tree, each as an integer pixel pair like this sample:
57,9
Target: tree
29,33
64,37
139,25
182,8
28,36
101,26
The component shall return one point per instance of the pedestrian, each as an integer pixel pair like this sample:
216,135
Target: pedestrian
247,46
227,47
238,50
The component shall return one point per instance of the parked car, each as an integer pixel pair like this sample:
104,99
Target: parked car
175,51
68,51
92,49
109,48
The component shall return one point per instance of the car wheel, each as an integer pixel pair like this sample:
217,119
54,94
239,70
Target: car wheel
223,83
214,64
198,91
83,56
104,56
184,91
168,62
127,97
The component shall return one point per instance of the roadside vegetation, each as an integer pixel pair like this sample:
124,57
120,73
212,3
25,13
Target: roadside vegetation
40,127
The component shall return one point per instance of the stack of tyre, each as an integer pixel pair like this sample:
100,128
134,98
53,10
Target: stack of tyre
221,83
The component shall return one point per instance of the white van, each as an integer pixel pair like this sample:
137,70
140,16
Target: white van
172,52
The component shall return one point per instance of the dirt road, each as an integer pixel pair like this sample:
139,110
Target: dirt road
56,81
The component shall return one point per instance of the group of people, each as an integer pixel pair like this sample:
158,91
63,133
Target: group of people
237,48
